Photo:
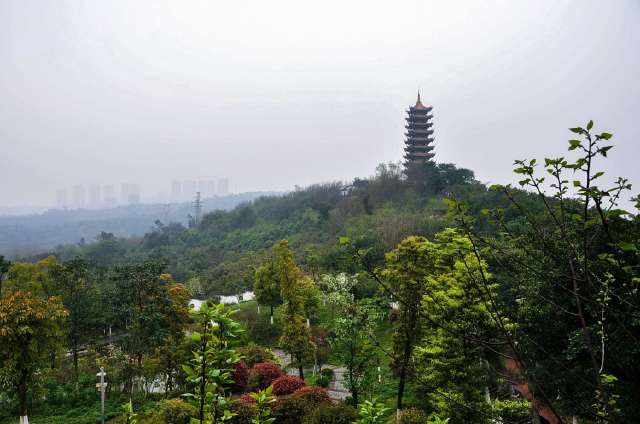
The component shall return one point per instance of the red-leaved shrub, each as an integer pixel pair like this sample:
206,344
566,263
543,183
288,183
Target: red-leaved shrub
313,394
246,398
287,384
291,409
240,376
263,374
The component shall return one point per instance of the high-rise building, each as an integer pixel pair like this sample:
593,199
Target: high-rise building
130,194
202,188
211,188
223,186
61,198
79,197
176,191
110,199
419,136
189,189
95,196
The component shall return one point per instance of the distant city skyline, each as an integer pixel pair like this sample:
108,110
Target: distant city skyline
99,196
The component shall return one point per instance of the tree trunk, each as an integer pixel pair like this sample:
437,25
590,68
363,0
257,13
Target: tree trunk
74,352
203,373
403,373
354,396
22,397
301,372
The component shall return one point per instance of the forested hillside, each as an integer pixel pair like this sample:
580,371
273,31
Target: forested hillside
218,256
418,290
26,235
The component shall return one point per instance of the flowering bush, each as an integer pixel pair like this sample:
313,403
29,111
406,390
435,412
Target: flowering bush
287,384
263,374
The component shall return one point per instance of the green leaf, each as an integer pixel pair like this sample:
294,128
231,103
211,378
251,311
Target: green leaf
344,241
626,246
574,144
589,125
603,150
606,136
577,130
577,183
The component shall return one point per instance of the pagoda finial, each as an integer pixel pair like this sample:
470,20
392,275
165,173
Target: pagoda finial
419,104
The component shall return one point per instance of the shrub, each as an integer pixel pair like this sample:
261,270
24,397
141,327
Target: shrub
263,332
287,384
240,376
263,374
292,409
323,381
327,372
247,399
413,416
313,394
254,354
332,414
244,411
173,411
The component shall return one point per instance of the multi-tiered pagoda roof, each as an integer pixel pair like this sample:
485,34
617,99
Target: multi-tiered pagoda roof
419,136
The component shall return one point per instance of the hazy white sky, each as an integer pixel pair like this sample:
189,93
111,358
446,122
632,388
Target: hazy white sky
274,93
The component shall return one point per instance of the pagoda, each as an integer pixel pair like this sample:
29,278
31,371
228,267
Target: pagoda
419,136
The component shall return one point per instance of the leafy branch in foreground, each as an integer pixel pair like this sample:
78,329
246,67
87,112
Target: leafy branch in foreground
570,277
211,368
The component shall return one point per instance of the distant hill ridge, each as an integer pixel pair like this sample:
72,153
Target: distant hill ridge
25,235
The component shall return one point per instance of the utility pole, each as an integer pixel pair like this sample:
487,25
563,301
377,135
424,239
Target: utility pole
101,385
197,209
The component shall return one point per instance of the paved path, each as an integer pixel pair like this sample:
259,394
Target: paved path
336,389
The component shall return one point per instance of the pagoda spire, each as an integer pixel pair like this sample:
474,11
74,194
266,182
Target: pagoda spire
419,136
419,104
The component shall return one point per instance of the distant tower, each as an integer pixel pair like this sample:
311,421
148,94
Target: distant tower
189,188
223,186
61,198
176,191
419,136
110,199
95,194
197,209
79,197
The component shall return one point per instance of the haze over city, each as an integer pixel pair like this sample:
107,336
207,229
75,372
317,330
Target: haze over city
285,93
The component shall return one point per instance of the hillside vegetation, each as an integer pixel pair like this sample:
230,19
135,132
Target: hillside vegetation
418,290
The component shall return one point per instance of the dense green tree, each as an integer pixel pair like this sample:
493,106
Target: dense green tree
142,302
4,269
296,336
567,260
266,286
452,370
352,326
403,278
71,281
30,331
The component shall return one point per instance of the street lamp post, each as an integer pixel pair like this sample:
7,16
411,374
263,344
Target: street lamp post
101,386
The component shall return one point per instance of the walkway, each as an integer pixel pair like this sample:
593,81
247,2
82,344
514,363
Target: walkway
336,389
